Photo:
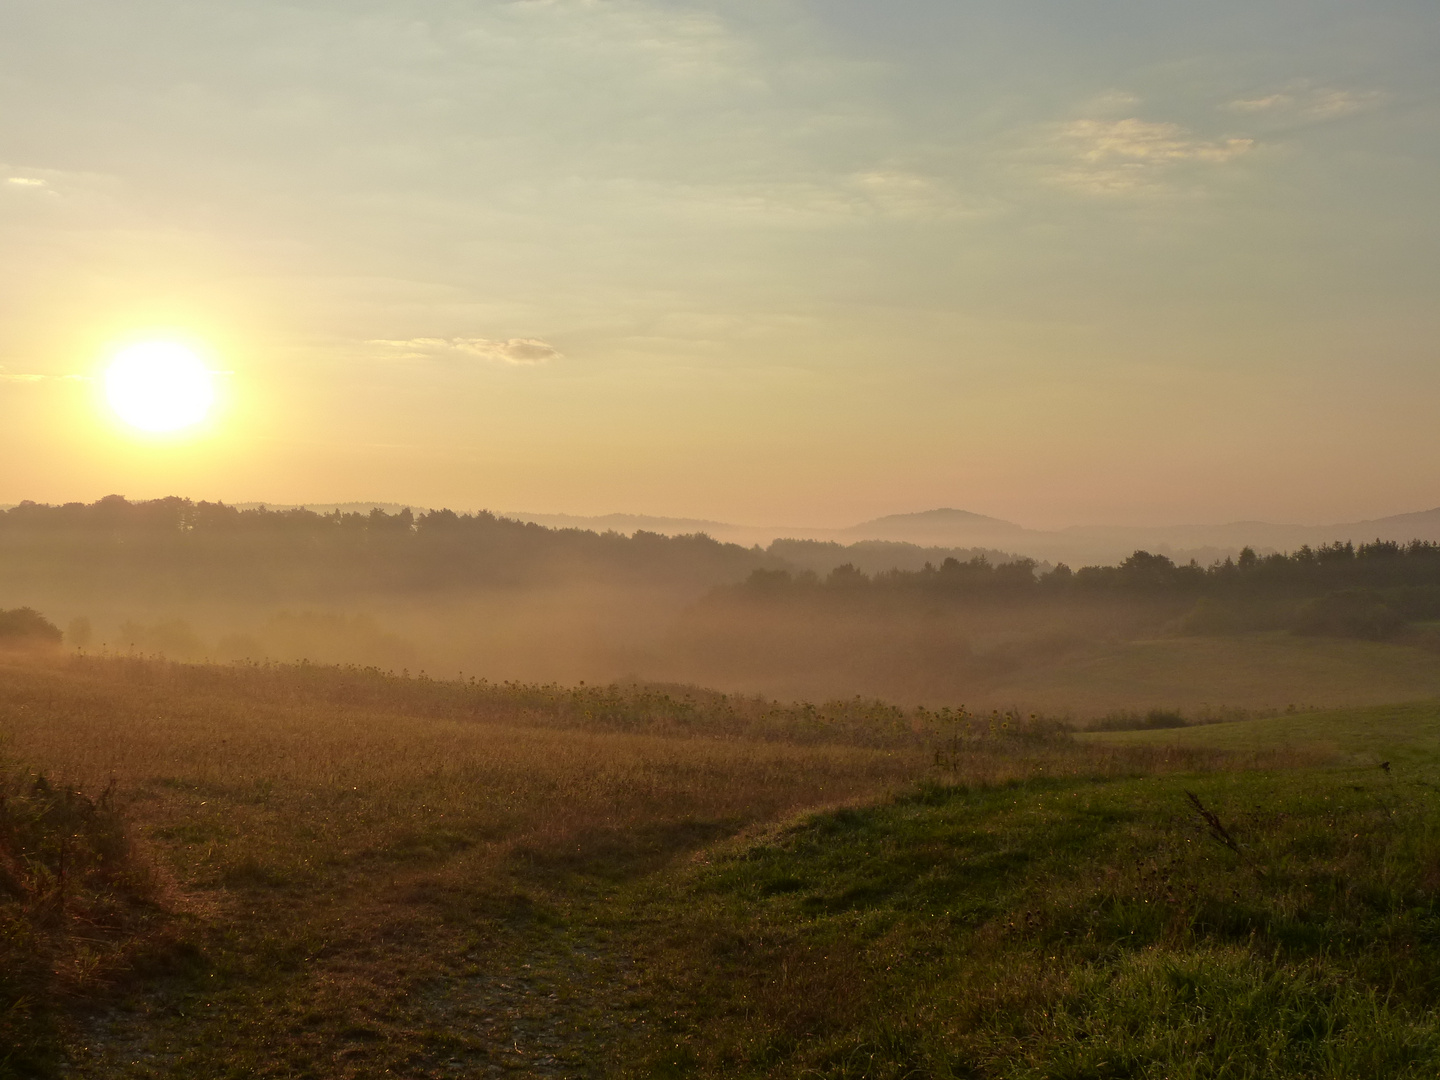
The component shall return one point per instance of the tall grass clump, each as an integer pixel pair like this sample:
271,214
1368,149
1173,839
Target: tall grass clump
72,894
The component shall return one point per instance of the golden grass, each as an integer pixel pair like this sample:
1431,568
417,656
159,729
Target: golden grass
280,790
288,773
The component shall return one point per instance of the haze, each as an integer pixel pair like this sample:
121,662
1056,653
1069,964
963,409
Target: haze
787,538
758,262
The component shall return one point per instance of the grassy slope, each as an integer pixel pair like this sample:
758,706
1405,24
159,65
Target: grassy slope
359,869
365,878
1407,733
1079,927
1253,671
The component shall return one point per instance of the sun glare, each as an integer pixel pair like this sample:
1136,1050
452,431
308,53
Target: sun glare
159,386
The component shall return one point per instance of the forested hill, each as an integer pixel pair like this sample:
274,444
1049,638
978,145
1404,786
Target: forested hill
174,547
1370,590
1382,564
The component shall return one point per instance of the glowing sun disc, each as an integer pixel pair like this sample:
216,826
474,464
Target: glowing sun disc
159,386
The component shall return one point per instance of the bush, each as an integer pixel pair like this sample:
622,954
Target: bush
71,900
1134,721
27,627
1356,613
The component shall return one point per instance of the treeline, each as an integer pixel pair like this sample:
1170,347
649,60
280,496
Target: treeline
169,548
176,547
1382,564
1370,590
169,553
877,556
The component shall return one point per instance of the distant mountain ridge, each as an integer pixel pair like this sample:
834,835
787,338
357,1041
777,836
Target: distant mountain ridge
360,507
955,529
627,523
948,527
936,527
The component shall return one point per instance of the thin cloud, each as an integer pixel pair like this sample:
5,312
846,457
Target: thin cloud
896,193
518,352
513,351
1310,102
839,200
55,183
1336,103
1118,156
1262,104
1100,141
30,377
34,185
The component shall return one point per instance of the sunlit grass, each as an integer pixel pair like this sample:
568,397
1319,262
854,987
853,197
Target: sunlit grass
355,872
339,838
1066,929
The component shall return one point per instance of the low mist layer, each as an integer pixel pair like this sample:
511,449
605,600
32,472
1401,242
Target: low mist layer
487,596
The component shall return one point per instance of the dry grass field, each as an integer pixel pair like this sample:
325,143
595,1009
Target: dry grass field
336,839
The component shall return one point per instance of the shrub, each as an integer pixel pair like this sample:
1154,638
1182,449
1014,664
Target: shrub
1134,721
26,627
1356,613
70,899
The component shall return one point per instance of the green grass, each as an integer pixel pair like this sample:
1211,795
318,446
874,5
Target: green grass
1078,928
1256,671
1400,733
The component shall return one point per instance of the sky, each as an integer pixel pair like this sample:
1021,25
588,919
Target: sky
781,261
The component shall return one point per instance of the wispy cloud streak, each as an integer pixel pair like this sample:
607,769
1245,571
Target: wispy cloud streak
1130,155
519,352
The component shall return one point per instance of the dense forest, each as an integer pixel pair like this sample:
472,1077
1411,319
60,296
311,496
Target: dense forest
1370,590
430,590
178,547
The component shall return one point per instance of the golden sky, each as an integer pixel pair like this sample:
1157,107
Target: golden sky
755,261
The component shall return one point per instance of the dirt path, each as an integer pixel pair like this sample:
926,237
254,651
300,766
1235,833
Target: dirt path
559,1012
553,1005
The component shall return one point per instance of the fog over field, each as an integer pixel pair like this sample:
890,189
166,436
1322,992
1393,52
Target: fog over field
501,599
1076,545
952,529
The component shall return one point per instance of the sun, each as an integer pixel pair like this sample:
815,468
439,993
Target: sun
159,386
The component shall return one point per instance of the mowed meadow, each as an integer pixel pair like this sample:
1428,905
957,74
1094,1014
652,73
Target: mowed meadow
306,871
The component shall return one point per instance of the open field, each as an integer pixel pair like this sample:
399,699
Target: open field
1256,671
1407,733
341,873
1060,675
